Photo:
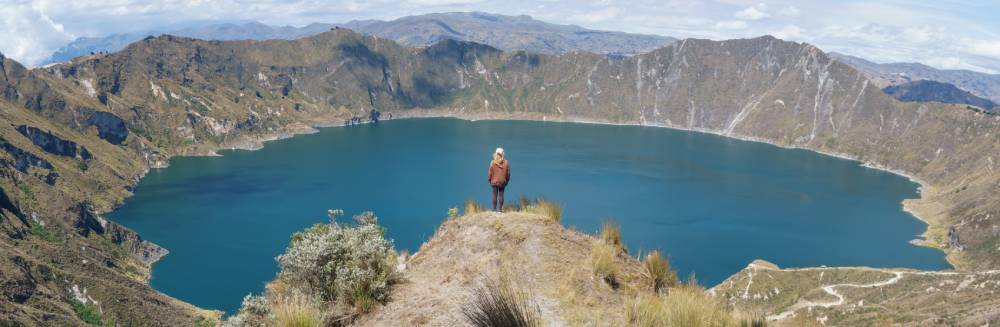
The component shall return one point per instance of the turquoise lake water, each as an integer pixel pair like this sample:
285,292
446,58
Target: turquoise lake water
713,204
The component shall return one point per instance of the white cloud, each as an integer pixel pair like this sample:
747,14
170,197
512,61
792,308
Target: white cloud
598,15
955,63
29,34
731,25
442,2
789,32
937,33
988,48
755,12
790,11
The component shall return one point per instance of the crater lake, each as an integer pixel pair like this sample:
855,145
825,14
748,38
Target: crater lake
713,204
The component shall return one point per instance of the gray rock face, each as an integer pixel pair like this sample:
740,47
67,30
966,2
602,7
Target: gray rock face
143,250
111,128
24,160
88,221
7,204
23,286
53,144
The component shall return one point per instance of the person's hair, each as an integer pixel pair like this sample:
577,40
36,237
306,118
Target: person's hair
497,158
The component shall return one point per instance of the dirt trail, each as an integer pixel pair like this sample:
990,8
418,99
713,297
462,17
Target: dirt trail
537,254
831,289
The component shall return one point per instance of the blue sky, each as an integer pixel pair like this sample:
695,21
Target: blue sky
951,34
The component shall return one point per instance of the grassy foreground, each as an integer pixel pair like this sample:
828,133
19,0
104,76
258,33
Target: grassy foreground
482,268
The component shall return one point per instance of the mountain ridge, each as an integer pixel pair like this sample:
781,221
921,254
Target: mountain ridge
501,31
928,90
887,74
172,96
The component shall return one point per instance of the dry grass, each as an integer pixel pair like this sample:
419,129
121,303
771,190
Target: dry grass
297,310
538,206
543,207
602,261
684,306
751,320
497,303
611,234
658,271
473,207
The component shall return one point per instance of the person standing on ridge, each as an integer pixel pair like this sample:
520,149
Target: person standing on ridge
499,176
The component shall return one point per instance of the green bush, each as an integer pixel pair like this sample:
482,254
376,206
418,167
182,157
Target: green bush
88,314
45,233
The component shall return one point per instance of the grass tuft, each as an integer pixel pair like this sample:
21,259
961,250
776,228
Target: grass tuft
752,320
497,303
297,310
602,261
659,273
472,207
543,207
685,306
611,234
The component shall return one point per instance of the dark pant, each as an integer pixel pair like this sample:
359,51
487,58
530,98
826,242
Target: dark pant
498,197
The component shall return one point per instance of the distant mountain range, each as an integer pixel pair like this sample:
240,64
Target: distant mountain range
928,90
500,31
225,32
979,84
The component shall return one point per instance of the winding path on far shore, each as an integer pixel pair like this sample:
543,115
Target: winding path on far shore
832,288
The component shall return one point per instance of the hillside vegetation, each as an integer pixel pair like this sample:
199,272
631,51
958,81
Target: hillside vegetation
517,268
79,135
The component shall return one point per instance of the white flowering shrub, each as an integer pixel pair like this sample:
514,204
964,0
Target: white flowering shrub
344,268
352,265
255,311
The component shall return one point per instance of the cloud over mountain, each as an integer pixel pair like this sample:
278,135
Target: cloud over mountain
959,34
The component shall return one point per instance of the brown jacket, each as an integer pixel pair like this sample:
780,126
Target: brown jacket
499,173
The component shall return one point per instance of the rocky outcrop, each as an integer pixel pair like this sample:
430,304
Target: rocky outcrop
24,160
145,251
953,239
110,127
89,221
7,204
23,286
53,144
